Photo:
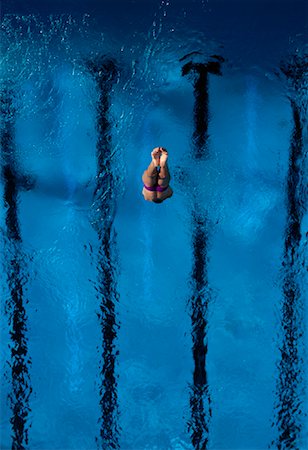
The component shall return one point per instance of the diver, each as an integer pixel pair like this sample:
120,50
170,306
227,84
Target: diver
156,177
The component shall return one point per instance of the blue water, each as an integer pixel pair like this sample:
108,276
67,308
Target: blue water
103,294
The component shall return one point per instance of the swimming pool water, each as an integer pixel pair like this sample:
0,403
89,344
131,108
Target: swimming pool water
133,325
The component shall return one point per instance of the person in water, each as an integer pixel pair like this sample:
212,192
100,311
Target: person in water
156,177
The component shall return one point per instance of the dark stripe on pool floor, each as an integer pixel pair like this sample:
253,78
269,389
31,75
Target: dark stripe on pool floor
289,394
17,277
200,399
105,73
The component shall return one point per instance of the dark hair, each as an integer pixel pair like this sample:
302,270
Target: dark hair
157,200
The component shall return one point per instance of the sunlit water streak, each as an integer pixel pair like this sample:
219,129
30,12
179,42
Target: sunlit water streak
75,364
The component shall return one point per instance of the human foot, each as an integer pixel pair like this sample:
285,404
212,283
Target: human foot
164,156
156,153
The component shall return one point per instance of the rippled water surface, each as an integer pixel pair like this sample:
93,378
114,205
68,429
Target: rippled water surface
127,324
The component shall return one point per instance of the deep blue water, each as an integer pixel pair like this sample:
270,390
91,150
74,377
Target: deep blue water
127,324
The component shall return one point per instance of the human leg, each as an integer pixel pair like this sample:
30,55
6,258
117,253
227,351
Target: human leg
164,175
149,176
